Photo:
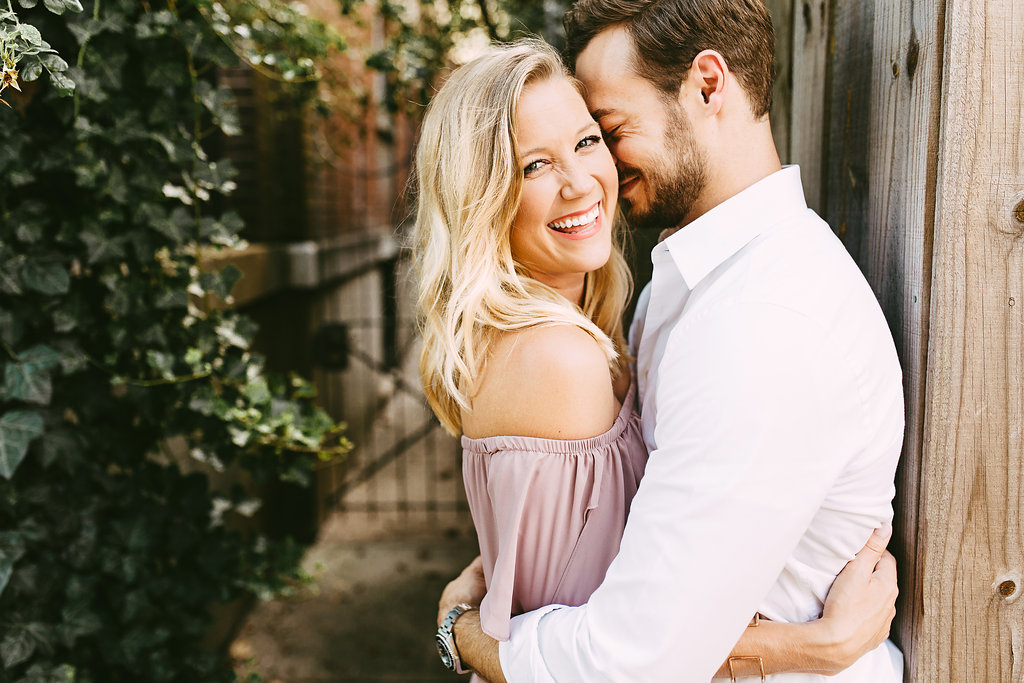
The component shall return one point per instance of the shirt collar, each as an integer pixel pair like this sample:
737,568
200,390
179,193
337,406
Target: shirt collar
703,245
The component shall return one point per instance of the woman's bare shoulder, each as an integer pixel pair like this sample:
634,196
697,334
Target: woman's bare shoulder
550,382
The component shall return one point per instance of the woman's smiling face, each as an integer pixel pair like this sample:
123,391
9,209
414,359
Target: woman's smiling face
563,229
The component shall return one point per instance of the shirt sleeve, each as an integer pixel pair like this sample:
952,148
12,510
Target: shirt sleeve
742,465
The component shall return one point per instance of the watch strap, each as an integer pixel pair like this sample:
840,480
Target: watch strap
447,632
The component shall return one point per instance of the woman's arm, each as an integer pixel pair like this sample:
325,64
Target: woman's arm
858,612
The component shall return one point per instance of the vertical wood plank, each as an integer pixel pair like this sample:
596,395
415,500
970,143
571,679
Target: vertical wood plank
970,540
782,93
807,132
896,252
848,105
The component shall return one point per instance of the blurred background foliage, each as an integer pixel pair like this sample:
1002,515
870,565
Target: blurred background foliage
127,387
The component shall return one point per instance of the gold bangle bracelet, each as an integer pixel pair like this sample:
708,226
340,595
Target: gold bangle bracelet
755,622
732,671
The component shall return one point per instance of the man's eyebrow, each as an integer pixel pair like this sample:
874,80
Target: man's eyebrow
598,114
584,127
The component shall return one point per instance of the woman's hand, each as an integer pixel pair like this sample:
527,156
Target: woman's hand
467,587
861,604
856,617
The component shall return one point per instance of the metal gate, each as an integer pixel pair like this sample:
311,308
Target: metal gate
405,470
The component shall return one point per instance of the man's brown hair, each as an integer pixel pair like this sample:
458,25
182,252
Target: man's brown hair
668,34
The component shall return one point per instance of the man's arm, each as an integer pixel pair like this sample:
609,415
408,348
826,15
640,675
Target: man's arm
747,412
857,616
478,650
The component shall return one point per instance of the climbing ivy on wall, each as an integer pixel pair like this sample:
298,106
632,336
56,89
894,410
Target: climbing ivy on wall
116,361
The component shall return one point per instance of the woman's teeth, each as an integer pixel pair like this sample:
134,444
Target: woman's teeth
576,221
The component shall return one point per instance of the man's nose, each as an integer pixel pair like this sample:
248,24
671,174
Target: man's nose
623,169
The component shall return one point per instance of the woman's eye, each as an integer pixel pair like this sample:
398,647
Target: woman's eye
588,141
533,167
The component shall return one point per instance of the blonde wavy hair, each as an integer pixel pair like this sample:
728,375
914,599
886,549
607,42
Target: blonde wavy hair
468,184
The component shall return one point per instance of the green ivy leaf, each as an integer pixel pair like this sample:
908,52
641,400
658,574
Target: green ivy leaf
11,327
29,232
12,274
79,621
58,6
17,430
28,4
101,248
176,226
17,648
223,110
31,70
71,357
37,673
216,176
6,569
161,362
59,444
28,378
171,298
31,34
46,278
65,86
12,548
222,281
256,391
52,62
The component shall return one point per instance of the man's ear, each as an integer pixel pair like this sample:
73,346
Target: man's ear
706,83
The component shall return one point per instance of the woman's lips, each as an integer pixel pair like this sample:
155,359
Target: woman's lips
577,219
579,232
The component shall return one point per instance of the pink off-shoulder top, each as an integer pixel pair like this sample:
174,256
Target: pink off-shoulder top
549,513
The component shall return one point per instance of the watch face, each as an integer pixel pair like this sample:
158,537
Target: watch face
446,654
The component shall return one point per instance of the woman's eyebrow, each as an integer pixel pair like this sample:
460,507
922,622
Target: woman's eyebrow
533,151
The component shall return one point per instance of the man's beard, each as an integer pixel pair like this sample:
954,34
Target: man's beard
671,184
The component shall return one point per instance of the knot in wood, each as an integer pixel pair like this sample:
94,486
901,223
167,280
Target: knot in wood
1007,588
1018,212
913,54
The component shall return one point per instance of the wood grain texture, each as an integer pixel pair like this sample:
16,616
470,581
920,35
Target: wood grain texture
896,252
848,106
807,118
782,93
970,540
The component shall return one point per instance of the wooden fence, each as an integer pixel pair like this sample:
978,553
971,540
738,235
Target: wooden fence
907,118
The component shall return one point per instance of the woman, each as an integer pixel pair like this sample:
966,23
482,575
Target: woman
522,291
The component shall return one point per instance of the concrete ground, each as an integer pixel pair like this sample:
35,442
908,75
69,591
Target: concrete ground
369,614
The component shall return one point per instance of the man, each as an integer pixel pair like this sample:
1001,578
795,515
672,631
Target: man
770,391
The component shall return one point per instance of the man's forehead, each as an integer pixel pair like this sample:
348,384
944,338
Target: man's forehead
608,52
604,67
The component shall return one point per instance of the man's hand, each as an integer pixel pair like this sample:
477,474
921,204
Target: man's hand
861,604
477,650
467,587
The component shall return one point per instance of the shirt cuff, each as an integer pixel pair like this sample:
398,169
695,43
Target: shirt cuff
520,656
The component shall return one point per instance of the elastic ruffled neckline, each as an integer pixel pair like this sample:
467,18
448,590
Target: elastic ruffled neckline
492,444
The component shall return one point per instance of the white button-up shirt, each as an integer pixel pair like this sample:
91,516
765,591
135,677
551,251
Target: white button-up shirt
772,405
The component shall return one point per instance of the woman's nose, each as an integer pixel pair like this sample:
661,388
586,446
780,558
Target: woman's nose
577,181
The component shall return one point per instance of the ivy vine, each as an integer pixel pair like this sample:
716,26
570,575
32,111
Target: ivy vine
114,364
